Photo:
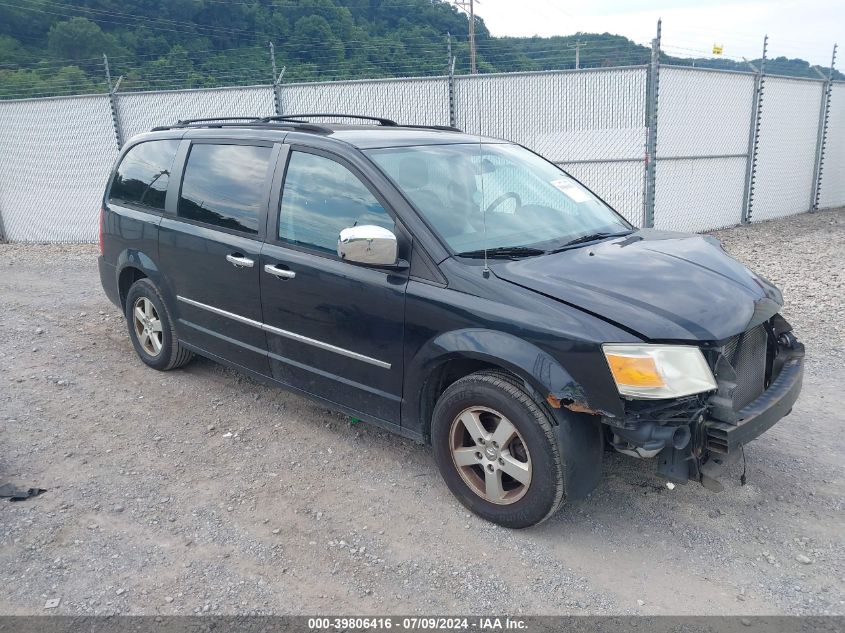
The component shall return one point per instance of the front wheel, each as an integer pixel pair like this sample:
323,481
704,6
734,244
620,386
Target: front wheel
495,448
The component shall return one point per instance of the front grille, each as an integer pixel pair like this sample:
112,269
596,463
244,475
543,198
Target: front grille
746,353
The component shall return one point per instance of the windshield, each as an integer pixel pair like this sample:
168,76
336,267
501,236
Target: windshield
527,201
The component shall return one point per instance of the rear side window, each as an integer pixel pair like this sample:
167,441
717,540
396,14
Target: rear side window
321,197
143,174
224,185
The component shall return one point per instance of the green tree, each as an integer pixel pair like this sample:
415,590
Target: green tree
74,77
11,50
313,41
185,43
80,38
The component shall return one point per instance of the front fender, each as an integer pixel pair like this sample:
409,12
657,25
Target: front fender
540,371
578,429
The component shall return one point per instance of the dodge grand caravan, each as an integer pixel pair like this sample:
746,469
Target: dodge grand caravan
460,291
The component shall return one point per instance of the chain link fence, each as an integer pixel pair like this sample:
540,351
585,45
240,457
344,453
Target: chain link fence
704,118
141,111
415,100
832,182
787,147
56,153
590,122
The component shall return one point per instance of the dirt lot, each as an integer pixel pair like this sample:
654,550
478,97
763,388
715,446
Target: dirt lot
202,491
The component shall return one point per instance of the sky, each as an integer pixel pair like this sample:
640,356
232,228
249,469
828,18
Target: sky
805,28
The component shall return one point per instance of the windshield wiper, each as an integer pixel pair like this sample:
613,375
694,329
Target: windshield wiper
504,252
590,237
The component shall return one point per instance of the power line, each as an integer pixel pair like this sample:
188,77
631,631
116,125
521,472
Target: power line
361,44
229,56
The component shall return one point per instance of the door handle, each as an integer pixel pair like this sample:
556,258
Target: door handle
278,272
239,261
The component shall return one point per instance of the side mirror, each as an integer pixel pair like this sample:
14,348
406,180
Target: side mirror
367,244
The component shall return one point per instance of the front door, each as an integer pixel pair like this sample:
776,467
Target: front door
334,329
210,252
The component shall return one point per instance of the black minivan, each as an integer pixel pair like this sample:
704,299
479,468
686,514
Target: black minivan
460,291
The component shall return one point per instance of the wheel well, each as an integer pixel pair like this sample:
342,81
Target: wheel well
128,276
441,378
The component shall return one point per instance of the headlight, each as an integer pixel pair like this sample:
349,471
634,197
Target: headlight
658,371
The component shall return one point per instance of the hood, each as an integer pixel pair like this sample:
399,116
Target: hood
660,285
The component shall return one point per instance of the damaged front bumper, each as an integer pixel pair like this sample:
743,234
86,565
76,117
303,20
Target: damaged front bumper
759,416
701,436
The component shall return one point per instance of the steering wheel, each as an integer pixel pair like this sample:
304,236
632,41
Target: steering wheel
510,195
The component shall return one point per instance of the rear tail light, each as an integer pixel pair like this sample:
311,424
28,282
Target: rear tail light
102,228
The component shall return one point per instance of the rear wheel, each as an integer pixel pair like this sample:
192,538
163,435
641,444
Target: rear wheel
496,450
151,328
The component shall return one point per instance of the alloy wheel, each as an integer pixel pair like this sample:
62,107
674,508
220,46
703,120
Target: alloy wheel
490,455
147,326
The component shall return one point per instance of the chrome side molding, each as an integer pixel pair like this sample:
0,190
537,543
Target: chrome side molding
285,333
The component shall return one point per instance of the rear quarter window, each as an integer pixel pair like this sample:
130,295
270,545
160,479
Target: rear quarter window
143,175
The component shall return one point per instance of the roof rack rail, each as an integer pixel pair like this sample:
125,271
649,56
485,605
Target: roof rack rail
295,118
291,121
182,122
442,128
253,122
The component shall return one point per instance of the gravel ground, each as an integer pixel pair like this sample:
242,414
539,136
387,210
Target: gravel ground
203,491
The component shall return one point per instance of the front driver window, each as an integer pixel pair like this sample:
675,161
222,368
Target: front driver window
320,198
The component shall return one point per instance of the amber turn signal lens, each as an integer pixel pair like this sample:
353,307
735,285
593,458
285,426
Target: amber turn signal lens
635,371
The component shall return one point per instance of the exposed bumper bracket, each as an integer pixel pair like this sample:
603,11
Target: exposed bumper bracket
760,415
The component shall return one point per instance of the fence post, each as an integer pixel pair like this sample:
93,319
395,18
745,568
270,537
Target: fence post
2,229
115,115
653,91
452,117
754,135
821,140
277,82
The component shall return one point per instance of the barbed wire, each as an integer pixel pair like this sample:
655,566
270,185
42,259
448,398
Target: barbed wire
190,80
433,48
329,62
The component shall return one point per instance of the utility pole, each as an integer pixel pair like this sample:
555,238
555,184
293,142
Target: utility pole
468,6
577,46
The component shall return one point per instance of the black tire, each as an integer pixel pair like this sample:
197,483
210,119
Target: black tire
171,353
505,395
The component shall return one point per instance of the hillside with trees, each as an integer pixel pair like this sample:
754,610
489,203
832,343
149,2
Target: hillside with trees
53,47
